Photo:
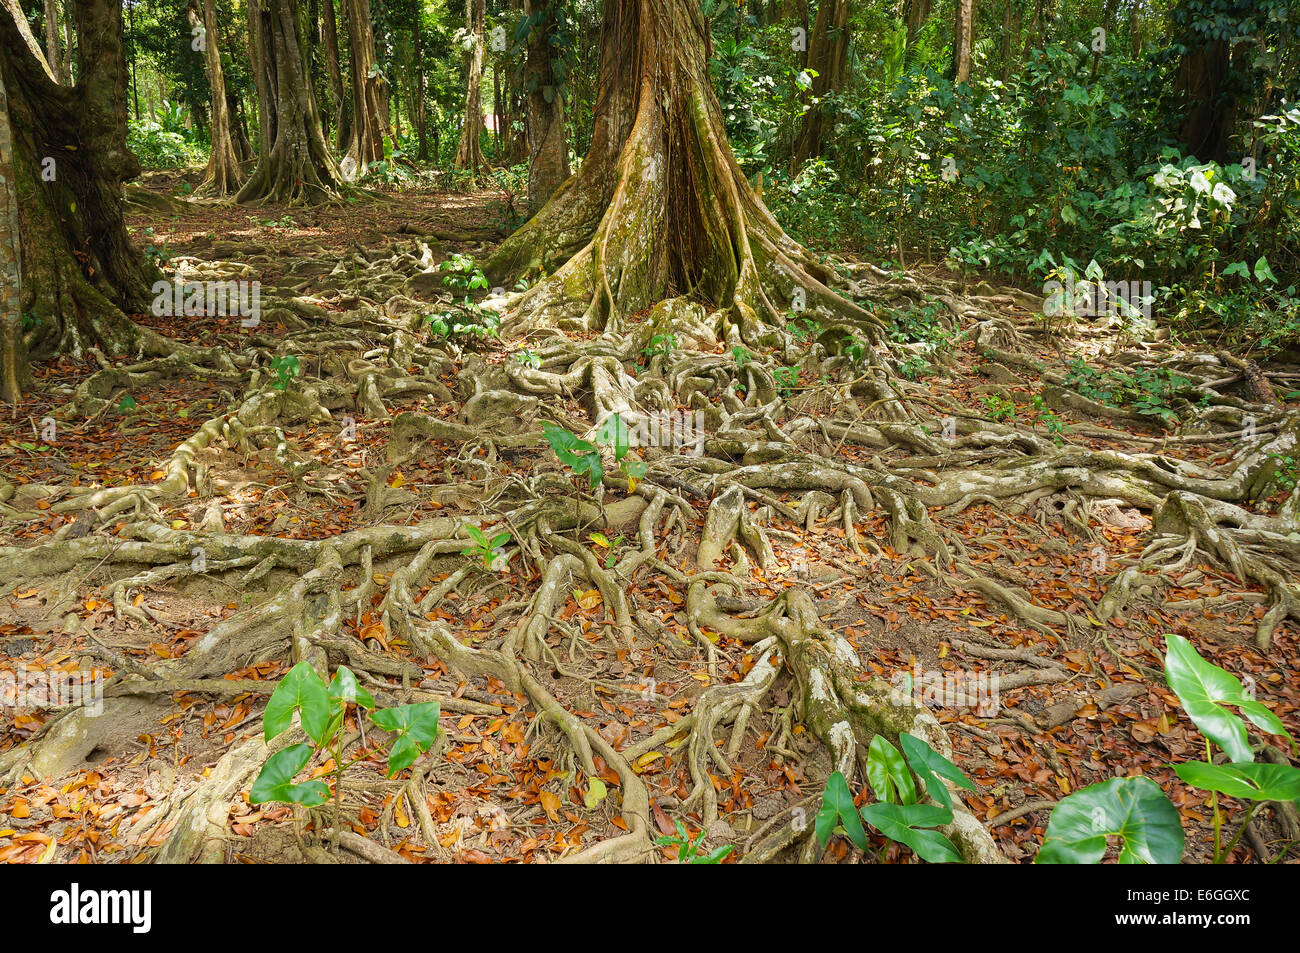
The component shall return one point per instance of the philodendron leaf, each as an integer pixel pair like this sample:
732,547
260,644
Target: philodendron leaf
838,809
1134,809
1254,782
931,767
275,782
908,823
887,771
302,689
345,687
416,727
1206,690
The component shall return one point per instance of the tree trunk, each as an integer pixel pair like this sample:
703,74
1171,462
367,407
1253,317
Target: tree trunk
79,269
15,375
1210,109
916,13
469,152
224,175
294,164
68,36
548,149
53,52
828,56
961,40
369,103
330,35
419,114
660,207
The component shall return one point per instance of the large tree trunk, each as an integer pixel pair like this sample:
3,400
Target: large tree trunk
1210,109
224,175
469,153
961,39
369,102
548,149
828,57
294,164
659,207
80,271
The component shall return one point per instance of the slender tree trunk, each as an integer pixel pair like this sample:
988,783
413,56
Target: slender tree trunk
53,53
548,149
915,14
294,164
69,35
342,107
419,113
961,40
224,175
369,95
469,152
660,208
828,56
15,374
79,269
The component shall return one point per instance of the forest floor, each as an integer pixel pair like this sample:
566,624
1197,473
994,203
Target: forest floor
1081,698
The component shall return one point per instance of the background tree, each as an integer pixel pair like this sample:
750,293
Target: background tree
294,164
545,69
469,151
224,174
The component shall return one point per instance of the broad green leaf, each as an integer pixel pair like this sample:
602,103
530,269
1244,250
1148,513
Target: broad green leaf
345,687
275,782
908,823
1262,270
1205,690
838,809
416,727
1254,782
302,689
927,763
1237,268
1133,809
888,774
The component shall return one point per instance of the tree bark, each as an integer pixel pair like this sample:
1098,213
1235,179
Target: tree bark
15,375
80,272
828,56
469,152
224,175
548,148
1210,109
961,40
294,164
660,208
419,113
369,100
53,51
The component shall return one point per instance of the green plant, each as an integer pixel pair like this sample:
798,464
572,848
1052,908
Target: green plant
286,368
1207,692
741,356
662,345
914,367
486,550
322,710
898,812
1138,812
462,275
1056,427
690,851
580,456
787,379
1287,471
999,406
529,359
601,540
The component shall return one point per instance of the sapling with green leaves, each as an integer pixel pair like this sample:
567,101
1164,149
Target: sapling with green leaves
691,851
485,550
898,812
321,710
